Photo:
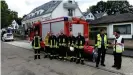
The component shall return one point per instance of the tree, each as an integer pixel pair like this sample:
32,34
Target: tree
4,12
7,16
111,7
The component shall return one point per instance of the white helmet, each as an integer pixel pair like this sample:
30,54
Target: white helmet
71,48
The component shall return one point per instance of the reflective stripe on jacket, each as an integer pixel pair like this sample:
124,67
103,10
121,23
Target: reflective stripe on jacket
36,42
99,40
118,48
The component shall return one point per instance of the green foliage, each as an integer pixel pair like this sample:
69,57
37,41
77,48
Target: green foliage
7,16
112,7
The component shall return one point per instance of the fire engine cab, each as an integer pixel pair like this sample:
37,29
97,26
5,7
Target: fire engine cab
74,25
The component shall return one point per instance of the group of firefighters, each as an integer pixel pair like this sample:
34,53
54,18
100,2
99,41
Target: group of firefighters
61,47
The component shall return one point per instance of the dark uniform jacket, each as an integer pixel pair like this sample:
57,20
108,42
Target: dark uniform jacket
79,39
57,40
52,40
61,38
71,40
36,41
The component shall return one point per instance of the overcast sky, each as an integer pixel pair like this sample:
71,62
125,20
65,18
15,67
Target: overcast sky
26,6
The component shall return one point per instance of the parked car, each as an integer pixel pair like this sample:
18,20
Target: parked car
7,37
2,33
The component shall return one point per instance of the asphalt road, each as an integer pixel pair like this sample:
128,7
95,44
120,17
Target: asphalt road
19,61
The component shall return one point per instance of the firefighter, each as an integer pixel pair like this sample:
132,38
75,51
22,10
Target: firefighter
80,41
52,43
101,42
118,47
47,53
36,46
71,45
62,40
57,46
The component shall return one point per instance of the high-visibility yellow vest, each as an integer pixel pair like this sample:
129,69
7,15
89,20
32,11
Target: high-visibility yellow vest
119,48
99,40
63,43
38,39
71,44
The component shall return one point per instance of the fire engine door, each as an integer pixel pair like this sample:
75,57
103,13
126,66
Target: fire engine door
77,28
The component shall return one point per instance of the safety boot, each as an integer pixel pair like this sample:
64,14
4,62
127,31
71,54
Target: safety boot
71,59
74,59
38,56
77,61
64,58
82,61
51,57
46,55
35,57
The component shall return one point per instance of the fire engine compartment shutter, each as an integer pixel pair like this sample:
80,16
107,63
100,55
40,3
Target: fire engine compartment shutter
57,26
45,29
76,28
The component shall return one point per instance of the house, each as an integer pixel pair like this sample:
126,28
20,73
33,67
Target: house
99,15
121,22
90,16
14,24
51,10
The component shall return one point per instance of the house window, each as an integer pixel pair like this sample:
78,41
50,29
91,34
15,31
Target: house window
89,16
124,29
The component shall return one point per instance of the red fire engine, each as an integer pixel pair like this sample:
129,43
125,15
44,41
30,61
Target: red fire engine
66,24
74,25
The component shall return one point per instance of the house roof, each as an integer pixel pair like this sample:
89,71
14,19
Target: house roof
43,9
99,15
126,17
85,13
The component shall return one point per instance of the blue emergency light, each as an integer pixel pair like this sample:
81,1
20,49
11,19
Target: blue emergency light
65,18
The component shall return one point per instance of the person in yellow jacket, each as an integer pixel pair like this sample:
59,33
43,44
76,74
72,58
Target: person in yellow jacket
47,53
118,47
101,42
